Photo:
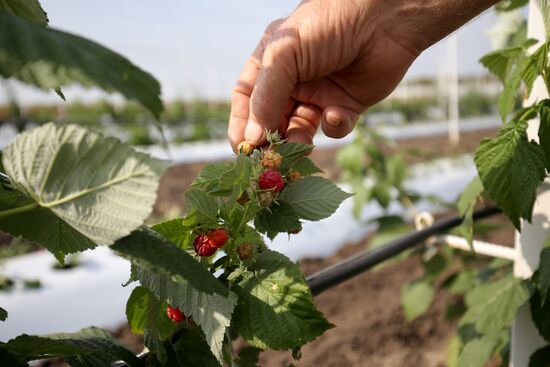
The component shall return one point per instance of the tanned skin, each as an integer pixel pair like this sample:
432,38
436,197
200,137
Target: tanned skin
330,60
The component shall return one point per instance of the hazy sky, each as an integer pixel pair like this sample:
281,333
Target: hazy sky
197,48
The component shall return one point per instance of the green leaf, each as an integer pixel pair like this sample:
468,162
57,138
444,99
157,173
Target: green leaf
26,9
544,6
238,178
150,250
416,298
275,308
508,5
544,271
541,358
280,218
496,304
209,177
3,314
83,184
313,197
510,94
174,231
466,205
511,168
540,313
8,359
291,150
50,59
477,352
502,62
351,158
211,312
304,165
535,66
88,347
144,312
203,203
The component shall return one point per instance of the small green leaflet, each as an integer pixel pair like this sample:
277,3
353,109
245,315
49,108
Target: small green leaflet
275,308
209,177
502,62
304,165
416,298
535,66
477,352
50,59
150,250
206,205
238,178
466,204
544,6
26,9
91,347
174,231
290,150
541,358
145,311
313,197
3,314
211,312
511,168
495,305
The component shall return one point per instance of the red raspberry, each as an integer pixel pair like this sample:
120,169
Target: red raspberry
218,237
175,314
271,180
204,246
271,159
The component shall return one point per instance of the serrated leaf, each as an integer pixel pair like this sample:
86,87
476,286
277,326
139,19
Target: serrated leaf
511,168
150,250
238,178
502,62
496,305
3,314
86,347
279,218
174,231
544,6
203,203
26,9
291,150
477,352
313,197
535,65
275,308
510,94
85,186
211,312
416,298
209,177
541,358
191,350
466,204
50,59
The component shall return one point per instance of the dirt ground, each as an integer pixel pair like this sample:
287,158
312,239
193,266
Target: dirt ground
370,329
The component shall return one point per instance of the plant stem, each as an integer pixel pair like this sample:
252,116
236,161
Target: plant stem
19,210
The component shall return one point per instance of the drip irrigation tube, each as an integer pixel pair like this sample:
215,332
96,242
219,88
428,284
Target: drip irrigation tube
365,260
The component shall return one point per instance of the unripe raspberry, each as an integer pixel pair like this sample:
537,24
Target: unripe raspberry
244,198
245,148
175,314
265,198
204,246
271,159
271,180
218,237
245,251
294,176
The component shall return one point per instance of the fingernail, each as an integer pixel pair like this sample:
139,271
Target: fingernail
333,119
254,132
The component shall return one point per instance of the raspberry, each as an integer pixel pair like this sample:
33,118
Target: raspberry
271,159
204,246
271,180
245,148
245,251
218,237
294,176
265,198
175,314
244,198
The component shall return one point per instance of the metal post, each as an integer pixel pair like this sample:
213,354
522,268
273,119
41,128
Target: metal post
525,338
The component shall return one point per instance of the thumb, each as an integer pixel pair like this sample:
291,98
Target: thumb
271,95
338,122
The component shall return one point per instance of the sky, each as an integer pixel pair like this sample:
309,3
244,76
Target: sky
196,49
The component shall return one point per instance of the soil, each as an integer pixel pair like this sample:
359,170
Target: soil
370,329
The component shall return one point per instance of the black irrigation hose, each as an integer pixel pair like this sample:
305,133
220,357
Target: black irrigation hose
363,261
357,264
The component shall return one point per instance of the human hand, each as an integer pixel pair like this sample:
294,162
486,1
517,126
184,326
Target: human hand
330,60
